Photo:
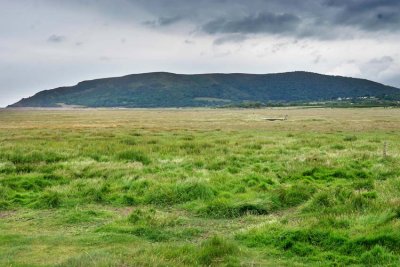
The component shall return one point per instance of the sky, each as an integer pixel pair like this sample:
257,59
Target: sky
51,43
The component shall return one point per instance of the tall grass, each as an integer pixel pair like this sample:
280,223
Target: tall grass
204,187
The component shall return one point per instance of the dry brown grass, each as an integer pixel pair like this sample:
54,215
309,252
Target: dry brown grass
300,119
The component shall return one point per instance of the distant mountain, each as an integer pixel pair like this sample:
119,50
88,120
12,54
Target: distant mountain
162,89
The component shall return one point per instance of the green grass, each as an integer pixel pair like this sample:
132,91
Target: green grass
199,188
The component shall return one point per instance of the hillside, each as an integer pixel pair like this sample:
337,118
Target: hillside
176,90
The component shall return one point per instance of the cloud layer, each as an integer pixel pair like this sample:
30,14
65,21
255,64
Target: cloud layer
50,43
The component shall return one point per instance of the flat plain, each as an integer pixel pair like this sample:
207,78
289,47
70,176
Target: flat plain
190,187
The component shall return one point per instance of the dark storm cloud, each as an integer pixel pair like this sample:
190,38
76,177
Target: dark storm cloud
362,5
314,19
260,23
320,19
369,15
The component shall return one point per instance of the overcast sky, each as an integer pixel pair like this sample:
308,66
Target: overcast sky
51,43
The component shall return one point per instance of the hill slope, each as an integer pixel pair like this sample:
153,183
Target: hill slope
162,89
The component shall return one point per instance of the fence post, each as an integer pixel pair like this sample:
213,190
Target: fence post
385,149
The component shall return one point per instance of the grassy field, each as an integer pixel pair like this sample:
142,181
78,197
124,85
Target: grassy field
200,187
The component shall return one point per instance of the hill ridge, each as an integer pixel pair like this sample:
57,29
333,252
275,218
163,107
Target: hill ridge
167,89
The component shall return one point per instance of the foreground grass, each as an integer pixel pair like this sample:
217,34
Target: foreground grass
199,187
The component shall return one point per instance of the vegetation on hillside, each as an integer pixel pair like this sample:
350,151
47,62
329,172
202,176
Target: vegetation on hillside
174,90
200,188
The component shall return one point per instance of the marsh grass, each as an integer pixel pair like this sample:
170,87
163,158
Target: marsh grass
199,187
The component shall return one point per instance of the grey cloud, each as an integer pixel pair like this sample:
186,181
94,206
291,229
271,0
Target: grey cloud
317,59
385,59
394,80
312,19
56,38
104,58
376,66
260,23
362,5
317,19
369,15
189,42
163,21
232,38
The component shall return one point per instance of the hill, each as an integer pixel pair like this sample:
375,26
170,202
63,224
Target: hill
161,89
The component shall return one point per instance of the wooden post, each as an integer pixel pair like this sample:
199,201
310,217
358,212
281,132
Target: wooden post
385,149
